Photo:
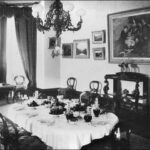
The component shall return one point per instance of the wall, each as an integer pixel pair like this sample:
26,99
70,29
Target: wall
95,19
54,72
48,68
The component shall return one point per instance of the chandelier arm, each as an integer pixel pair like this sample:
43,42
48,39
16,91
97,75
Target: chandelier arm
40,26
79,25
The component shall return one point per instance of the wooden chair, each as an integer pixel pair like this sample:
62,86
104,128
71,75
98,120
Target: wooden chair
88,97
69,92
12,138
72,83
21,88
95,90
8,135
95,86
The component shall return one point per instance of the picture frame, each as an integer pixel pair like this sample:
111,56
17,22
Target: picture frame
67,50
128,36
99,53
53,42
81,48
98,37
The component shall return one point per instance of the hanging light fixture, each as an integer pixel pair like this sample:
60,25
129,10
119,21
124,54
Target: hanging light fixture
58,19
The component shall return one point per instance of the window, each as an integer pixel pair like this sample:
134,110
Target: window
14,62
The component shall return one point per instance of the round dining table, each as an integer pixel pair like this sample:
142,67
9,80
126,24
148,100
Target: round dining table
55,130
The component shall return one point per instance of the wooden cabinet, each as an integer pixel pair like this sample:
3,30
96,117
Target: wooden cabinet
133,107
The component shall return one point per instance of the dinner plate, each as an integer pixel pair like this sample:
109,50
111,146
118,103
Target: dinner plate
31,115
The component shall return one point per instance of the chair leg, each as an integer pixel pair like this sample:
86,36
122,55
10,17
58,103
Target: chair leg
6,147
128,134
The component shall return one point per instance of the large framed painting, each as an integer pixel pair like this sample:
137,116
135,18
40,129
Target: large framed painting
129,36
81,48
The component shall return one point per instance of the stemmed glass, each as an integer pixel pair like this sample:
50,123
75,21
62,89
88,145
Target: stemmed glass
69,115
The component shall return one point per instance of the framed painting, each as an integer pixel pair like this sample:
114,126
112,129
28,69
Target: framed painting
53,42
99,53
81,48
98,37
129,36
67,50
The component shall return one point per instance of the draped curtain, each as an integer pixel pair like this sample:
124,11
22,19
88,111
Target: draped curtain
26,37
3,21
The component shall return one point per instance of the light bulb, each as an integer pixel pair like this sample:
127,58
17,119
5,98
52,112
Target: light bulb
81,12
68,6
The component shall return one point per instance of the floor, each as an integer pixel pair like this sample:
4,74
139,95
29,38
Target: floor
136,142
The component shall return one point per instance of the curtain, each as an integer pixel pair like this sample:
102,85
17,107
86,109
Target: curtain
26,37
13,57
3,21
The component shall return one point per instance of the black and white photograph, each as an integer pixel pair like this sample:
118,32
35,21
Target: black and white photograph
74,75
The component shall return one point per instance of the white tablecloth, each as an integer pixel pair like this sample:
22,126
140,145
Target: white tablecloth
55,131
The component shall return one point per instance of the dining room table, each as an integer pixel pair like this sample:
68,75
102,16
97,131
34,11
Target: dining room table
55,130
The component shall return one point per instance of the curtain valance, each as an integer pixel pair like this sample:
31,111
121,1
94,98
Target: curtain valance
8,11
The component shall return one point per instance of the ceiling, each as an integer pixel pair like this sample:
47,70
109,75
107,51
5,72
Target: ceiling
22,1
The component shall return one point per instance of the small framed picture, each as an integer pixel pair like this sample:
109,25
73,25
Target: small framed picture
81,48
53,42
98,37
99,53
67,50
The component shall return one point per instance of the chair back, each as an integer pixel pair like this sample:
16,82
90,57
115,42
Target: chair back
4,133
19,80
72,83
95,86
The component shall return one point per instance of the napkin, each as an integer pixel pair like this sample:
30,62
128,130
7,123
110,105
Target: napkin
19,107
99,122
47,122
30,115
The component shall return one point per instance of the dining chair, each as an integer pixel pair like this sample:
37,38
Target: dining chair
95,90
21,88
95,86
72,83
70,91
4,134
14,138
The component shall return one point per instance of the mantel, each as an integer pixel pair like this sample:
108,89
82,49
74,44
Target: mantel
129,76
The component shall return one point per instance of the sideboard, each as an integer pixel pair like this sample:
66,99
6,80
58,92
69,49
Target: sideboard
131,107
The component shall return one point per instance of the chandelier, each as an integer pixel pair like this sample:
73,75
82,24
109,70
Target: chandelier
58,19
